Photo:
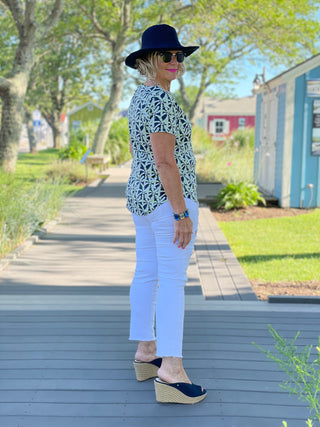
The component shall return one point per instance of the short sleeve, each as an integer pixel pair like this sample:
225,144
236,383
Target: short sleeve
163,116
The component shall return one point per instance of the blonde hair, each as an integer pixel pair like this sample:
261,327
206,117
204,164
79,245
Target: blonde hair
148,65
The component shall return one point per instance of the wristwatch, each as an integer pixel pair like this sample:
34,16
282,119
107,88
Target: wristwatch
181,215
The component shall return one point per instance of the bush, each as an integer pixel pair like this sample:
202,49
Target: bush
75,150
117,145
24,209
201,140
230,161
70,171
241,195
241,138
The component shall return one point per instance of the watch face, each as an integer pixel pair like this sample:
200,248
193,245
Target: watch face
182,215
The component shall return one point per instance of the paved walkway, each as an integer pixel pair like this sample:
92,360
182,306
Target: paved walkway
64,314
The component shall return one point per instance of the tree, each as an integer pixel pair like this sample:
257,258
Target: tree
119,23
28,118
33,20
284,32
111,22
65,63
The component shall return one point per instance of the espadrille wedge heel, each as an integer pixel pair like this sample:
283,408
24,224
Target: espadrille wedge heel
178,392
146,370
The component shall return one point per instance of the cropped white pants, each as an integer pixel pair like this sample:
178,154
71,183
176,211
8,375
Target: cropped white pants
157,289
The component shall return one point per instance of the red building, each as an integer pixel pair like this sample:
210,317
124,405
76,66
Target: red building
221,117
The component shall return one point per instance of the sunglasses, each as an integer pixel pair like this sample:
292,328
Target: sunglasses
167,56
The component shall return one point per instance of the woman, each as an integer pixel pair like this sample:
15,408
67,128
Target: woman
161,195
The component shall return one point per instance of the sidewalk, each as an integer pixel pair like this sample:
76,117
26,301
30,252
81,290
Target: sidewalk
64,316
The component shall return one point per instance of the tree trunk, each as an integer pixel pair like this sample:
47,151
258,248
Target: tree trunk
11,121
57,130
109,110
194,106
30,129
189,107
53,118
13,89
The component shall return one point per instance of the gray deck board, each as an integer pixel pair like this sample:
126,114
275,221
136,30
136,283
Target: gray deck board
65,358
93,381
221,275
138,421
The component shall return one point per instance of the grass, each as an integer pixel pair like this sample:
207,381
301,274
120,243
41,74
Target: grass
25,208
30,167
277,249
34,167
35,194
270,250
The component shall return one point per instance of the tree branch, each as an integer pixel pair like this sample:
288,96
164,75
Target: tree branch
16,9
125,25
93,18
52,18
29,23
98,27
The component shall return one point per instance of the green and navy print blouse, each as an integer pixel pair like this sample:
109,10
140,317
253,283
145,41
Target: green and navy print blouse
152,109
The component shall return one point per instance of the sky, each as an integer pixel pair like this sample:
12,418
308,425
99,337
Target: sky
242,87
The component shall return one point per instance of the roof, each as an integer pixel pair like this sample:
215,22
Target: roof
296,71
81,107
245,106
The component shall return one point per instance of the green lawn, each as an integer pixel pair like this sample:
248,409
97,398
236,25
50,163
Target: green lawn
31,166
277,249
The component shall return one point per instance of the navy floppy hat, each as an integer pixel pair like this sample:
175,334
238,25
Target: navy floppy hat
158,38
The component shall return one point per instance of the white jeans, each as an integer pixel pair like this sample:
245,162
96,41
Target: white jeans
159,280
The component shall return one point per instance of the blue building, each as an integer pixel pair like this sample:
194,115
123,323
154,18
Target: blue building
287,136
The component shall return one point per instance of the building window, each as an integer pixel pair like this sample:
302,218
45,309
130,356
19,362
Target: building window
219,126
76,124
241,123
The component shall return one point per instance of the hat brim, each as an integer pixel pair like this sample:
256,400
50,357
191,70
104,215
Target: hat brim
131,59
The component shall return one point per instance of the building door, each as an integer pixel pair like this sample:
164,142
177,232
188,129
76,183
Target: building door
268,132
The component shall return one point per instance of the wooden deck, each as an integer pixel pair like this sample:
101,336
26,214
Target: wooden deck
66,362
64,318
221,275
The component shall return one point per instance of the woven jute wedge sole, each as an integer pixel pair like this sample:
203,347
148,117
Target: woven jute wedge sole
168,394
145,371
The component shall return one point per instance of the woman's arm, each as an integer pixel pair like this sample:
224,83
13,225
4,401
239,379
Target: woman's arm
163,151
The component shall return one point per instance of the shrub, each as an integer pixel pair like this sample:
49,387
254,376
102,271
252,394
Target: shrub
230,161
117,145
24,209
201,140
241,195
75,150
241,138
70,171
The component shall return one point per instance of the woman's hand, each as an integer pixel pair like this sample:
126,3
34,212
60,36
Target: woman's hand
182,232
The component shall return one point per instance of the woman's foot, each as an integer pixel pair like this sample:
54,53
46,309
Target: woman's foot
172,371
146,351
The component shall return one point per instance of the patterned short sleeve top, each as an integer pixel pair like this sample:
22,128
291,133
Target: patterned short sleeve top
152,109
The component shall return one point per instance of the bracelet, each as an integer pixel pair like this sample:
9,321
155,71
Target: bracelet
181,215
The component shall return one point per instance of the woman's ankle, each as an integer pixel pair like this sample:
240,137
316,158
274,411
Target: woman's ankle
172,370
146,351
